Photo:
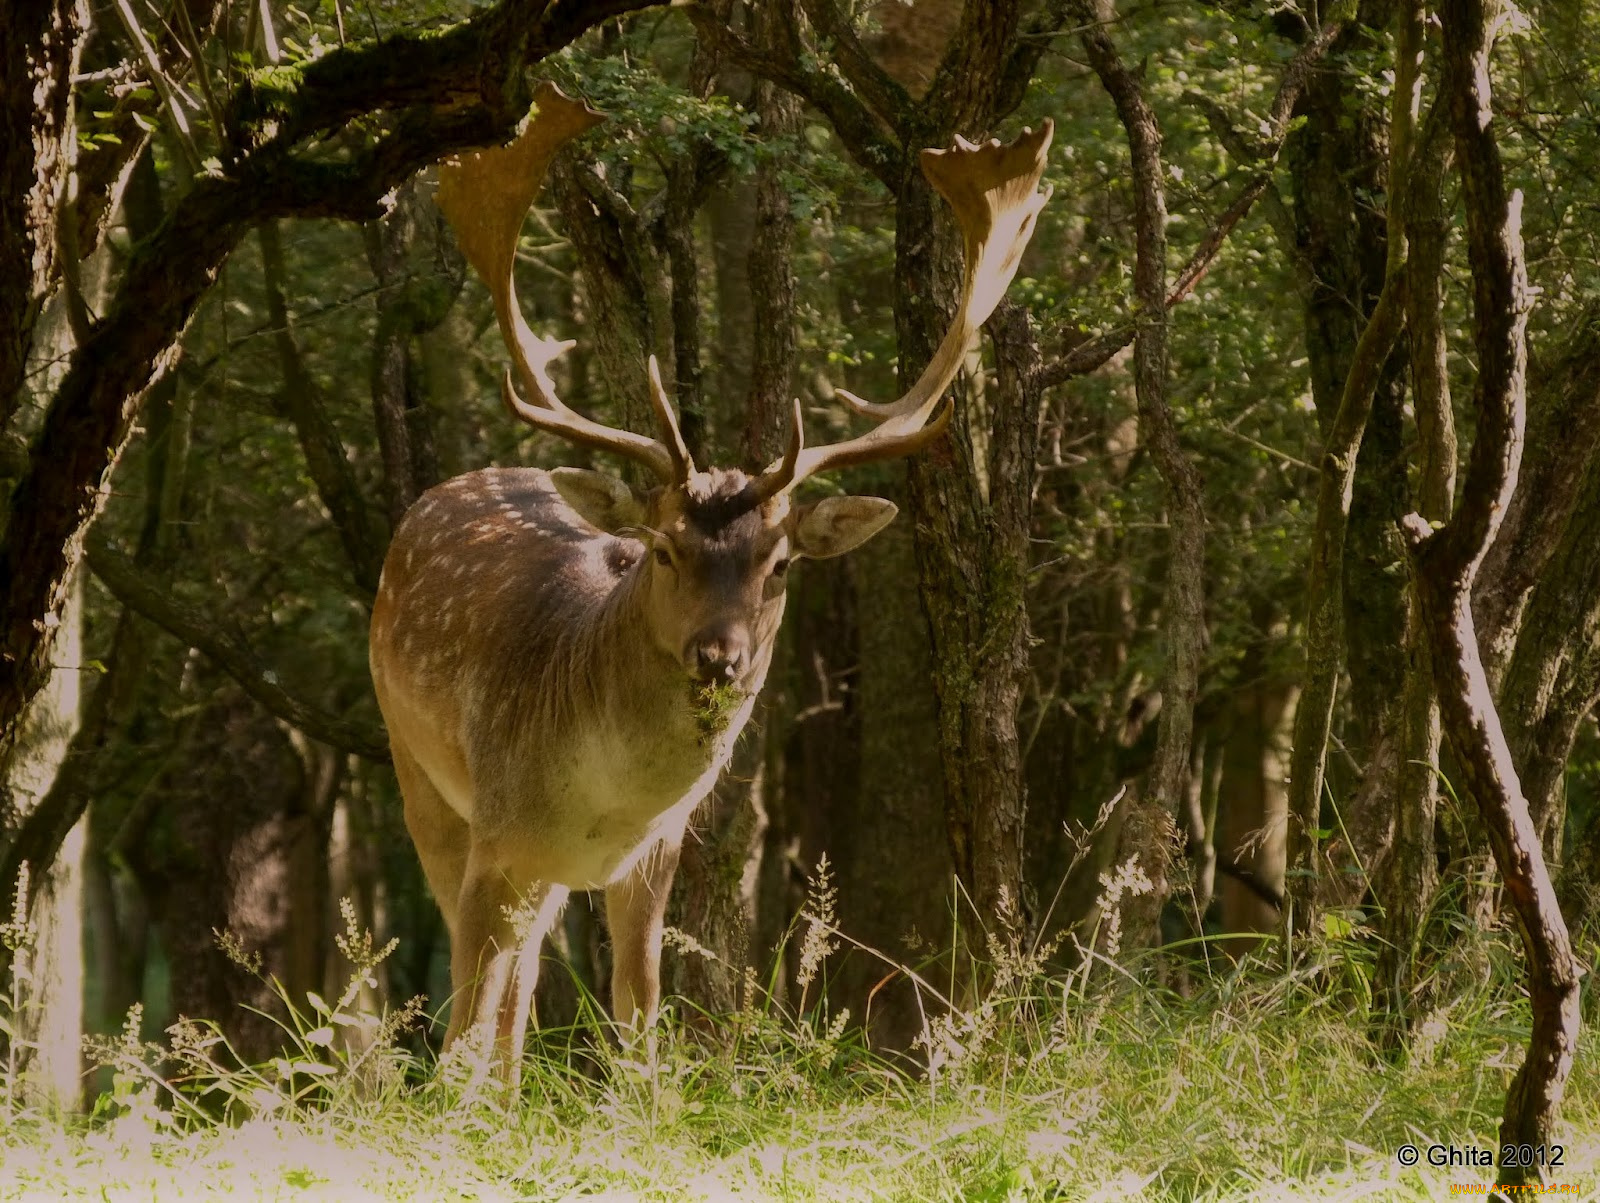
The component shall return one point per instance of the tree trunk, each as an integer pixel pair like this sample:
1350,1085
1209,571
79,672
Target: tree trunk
1446,561
1563,432
1326,642
1553,679
721,870
405,435
969,578
1183,603
41,42
1407,882
1253,808
250,869
50,1027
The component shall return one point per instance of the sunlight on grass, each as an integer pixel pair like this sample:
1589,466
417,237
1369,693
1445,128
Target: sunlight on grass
1089,1086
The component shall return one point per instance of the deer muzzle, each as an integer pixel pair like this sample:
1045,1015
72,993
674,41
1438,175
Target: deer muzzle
718,657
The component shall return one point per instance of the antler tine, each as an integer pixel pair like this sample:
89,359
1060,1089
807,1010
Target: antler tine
994,190
682,462
781,474
485,195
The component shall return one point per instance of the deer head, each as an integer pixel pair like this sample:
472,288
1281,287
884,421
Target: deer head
719,542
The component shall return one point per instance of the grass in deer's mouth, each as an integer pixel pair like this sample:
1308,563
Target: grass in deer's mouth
714,707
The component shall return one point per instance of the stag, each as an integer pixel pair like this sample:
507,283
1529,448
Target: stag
563,660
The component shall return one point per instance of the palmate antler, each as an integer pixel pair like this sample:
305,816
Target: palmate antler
485,195
993,189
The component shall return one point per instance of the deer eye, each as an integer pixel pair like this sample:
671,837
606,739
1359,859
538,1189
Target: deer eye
663,557
780,567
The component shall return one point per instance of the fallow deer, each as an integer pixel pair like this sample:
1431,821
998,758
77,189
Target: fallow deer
564,661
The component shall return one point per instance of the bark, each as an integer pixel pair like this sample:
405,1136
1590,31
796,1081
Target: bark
1254,806
461,87
771,290
250,868
1553,679
620,281
1578,888
1406,884
1446,561
676,236
41,42
972,556
1563,432
726,861
1326,609
1184,601
50,1027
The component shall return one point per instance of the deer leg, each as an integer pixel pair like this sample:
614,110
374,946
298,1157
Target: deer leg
494,954
636,908
441,835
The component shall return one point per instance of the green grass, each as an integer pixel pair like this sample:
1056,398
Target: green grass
1258,1085
1101,1083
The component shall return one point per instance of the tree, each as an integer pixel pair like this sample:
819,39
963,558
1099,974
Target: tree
1446,561
424,96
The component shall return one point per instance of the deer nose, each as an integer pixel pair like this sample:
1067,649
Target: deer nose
719,661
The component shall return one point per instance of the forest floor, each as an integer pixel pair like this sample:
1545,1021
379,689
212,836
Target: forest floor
1251,1085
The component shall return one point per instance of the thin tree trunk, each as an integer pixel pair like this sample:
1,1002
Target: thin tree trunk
405,437
1337,469
1184,599
1409,878
1446,561
50,1027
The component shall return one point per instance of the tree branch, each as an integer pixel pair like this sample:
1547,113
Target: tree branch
300,400
878,90
463,87
134,589
849,115
1090,355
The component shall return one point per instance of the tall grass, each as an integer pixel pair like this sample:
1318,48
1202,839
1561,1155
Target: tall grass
1095,1084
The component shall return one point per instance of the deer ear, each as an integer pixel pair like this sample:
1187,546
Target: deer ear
600,500
835,525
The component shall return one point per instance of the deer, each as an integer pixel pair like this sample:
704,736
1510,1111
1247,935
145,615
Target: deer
564,660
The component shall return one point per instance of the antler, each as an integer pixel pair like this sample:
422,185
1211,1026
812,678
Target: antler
994,191
485,195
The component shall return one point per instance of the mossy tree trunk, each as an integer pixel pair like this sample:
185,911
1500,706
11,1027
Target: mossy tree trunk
1353,372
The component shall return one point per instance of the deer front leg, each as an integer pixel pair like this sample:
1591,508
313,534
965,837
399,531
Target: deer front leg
494,955
636,908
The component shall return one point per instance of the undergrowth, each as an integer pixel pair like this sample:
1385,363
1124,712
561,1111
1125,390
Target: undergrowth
1106,1082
